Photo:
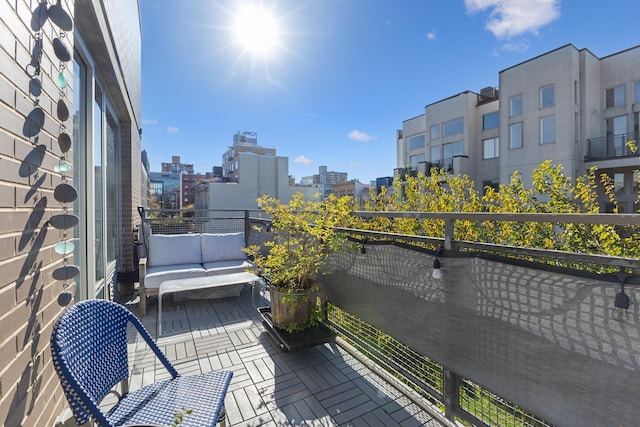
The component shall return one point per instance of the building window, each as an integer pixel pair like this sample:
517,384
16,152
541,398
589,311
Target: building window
452,127
547,129
491,120
515,135
636,92
449,151
515,106
416,142
490,184
547,97
618,182
434,131
491,148
414,160
436,157
614,96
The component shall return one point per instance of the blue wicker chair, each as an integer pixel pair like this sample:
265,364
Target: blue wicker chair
89,349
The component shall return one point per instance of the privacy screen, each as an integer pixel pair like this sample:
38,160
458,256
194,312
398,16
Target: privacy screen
550,342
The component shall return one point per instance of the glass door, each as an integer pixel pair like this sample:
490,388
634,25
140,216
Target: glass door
96,175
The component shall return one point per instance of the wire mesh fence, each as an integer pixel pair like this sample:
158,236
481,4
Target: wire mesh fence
426,377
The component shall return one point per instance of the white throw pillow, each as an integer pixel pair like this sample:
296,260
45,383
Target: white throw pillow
222,247
174,249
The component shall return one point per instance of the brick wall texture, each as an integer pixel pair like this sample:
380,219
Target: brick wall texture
30,394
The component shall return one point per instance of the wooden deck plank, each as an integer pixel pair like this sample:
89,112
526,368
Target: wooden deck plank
323,386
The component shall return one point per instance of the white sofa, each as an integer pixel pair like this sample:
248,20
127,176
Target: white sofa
185,256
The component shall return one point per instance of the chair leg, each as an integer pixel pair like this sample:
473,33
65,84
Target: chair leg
222,417
143,302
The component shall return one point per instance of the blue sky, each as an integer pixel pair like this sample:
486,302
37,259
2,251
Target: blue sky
341,75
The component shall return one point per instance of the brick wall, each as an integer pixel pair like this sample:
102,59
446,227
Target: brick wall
30,393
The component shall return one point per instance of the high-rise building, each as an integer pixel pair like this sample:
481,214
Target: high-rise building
567,105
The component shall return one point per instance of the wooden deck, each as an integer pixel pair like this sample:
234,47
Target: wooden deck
320,386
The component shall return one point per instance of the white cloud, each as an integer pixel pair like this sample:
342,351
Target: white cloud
518,47
432,35
354,165
149,122
357,135
302,159
510,18
172,129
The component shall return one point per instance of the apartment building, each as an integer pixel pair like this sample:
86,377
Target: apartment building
358,191
567,105
176,166
70,128
245,142
260,175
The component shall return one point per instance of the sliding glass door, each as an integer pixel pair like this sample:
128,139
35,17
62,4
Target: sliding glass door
96,173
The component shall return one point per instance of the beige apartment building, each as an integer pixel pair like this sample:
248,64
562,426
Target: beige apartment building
567,105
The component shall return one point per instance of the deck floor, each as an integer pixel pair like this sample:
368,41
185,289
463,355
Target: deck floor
320,386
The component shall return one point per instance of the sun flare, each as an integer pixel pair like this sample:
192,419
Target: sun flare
256,30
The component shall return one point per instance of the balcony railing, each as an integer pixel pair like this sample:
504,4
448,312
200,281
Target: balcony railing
612,147
508,336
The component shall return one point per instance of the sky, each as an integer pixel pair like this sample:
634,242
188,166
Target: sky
328,82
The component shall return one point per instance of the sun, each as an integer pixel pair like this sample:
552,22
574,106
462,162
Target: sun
256,30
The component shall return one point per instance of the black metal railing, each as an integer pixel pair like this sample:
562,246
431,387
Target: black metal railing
612,146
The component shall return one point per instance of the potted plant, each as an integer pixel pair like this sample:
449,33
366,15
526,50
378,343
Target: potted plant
302,237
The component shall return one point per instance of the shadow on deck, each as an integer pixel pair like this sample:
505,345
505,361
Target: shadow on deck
320,386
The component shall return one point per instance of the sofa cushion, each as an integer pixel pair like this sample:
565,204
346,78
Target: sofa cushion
156,275
222,247
226,267
174,249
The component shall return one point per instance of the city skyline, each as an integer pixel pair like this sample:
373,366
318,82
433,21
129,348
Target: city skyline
329,83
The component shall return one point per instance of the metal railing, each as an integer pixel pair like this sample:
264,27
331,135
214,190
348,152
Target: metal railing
612,146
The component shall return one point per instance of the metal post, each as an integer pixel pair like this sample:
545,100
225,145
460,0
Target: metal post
247,228
451,391
448,234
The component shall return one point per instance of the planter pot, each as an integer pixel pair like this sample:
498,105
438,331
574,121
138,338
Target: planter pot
292,310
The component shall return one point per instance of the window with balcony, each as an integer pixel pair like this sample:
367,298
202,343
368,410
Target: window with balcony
416,142
414,160
547,97
515,135
452,127
614,96
449,151
434,132
617,137
491,148
547,129
491,120
515,106
436,156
